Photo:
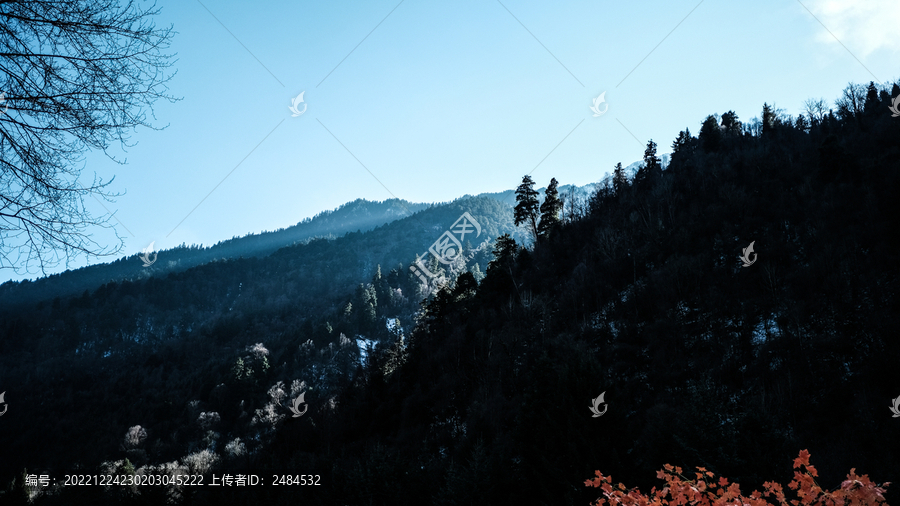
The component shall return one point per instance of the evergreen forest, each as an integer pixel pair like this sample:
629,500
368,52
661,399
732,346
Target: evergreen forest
475,384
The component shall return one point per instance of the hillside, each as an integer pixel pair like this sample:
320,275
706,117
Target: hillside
702,361
478,383
160,337
357,216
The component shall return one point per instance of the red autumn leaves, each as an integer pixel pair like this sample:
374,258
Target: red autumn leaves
705,490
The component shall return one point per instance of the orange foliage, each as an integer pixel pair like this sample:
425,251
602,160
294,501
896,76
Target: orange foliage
679,491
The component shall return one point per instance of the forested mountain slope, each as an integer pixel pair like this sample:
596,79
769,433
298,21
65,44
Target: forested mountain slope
139,351
703,362
359,215
484,398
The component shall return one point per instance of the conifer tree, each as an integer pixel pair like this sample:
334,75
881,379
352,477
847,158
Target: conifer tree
620,180
652,163
769,119
526,210
871,105
367,300
504,252
710,136
550,209
651,168
682,147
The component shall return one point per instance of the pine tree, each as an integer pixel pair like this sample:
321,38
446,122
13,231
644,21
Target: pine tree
710,136
871,104
620,180
684,142
550,209
367,300
504,252
683,147
526,211
768,119
652,163
885,98
465,286
650,169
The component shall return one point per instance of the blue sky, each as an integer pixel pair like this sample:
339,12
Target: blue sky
428,101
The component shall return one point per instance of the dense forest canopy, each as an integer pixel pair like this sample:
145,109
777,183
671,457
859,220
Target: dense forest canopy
475,387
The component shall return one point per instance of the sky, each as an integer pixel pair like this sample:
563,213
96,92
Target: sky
429,101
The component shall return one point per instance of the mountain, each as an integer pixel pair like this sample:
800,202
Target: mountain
358,215
121,339
475,386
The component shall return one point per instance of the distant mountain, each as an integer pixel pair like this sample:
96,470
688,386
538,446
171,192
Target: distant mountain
312,275
359,215
306,296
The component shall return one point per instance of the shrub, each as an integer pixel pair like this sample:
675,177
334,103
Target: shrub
705,490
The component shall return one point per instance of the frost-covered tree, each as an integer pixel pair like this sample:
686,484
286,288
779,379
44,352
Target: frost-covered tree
135,437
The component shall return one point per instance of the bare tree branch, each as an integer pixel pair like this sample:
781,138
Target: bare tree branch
76,75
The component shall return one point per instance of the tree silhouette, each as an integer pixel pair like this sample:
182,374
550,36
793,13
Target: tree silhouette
710,135
620,179
526,210
650,169
550,209
76,76
730,124
852,101
815,110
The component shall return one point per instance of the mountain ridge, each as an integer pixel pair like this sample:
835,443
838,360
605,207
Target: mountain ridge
357,215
